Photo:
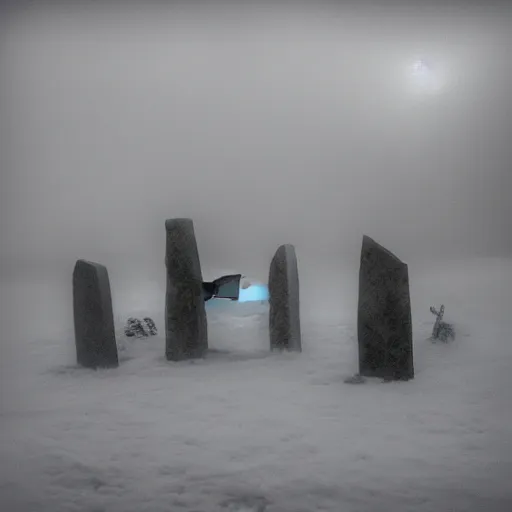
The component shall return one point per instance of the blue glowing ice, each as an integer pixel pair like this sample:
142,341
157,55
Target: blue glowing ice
255,292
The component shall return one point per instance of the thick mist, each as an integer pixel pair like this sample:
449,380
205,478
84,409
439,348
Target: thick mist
266,126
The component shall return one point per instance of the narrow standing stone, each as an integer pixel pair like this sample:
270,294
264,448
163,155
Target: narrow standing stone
95,337
384,323
186,332
283,287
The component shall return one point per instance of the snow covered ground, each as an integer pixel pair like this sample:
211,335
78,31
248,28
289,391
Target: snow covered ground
244,430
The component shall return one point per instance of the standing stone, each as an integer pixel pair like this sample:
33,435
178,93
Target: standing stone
186,333
384,324
95,337
283,287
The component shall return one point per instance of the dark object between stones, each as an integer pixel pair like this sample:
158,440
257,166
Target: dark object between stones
384,322
95,338
225,287
151,326
140,329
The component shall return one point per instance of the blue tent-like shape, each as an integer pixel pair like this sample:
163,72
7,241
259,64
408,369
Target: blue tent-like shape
254,293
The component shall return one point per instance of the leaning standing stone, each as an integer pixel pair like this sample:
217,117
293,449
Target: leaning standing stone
95,337
283,287
384,321
186,333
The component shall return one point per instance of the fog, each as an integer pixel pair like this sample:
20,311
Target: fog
310,123
266,126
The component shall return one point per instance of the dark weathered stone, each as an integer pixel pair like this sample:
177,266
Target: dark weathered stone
384,321
95,337
283,287
186,333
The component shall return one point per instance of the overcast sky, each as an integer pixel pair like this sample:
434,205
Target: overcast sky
266,126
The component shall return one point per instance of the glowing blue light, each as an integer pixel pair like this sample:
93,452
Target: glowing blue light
255,292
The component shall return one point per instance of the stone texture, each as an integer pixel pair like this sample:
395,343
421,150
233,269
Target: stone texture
283,287
94,321
384,324
140,328
186,333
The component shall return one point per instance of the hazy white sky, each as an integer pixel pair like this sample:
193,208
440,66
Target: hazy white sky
266,126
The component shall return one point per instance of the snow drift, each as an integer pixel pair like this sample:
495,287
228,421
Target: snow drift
247,430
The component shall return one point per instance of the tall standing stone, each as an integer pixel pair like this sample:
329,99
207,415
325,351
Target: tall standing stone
186,333
95,337
283,287
384,324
